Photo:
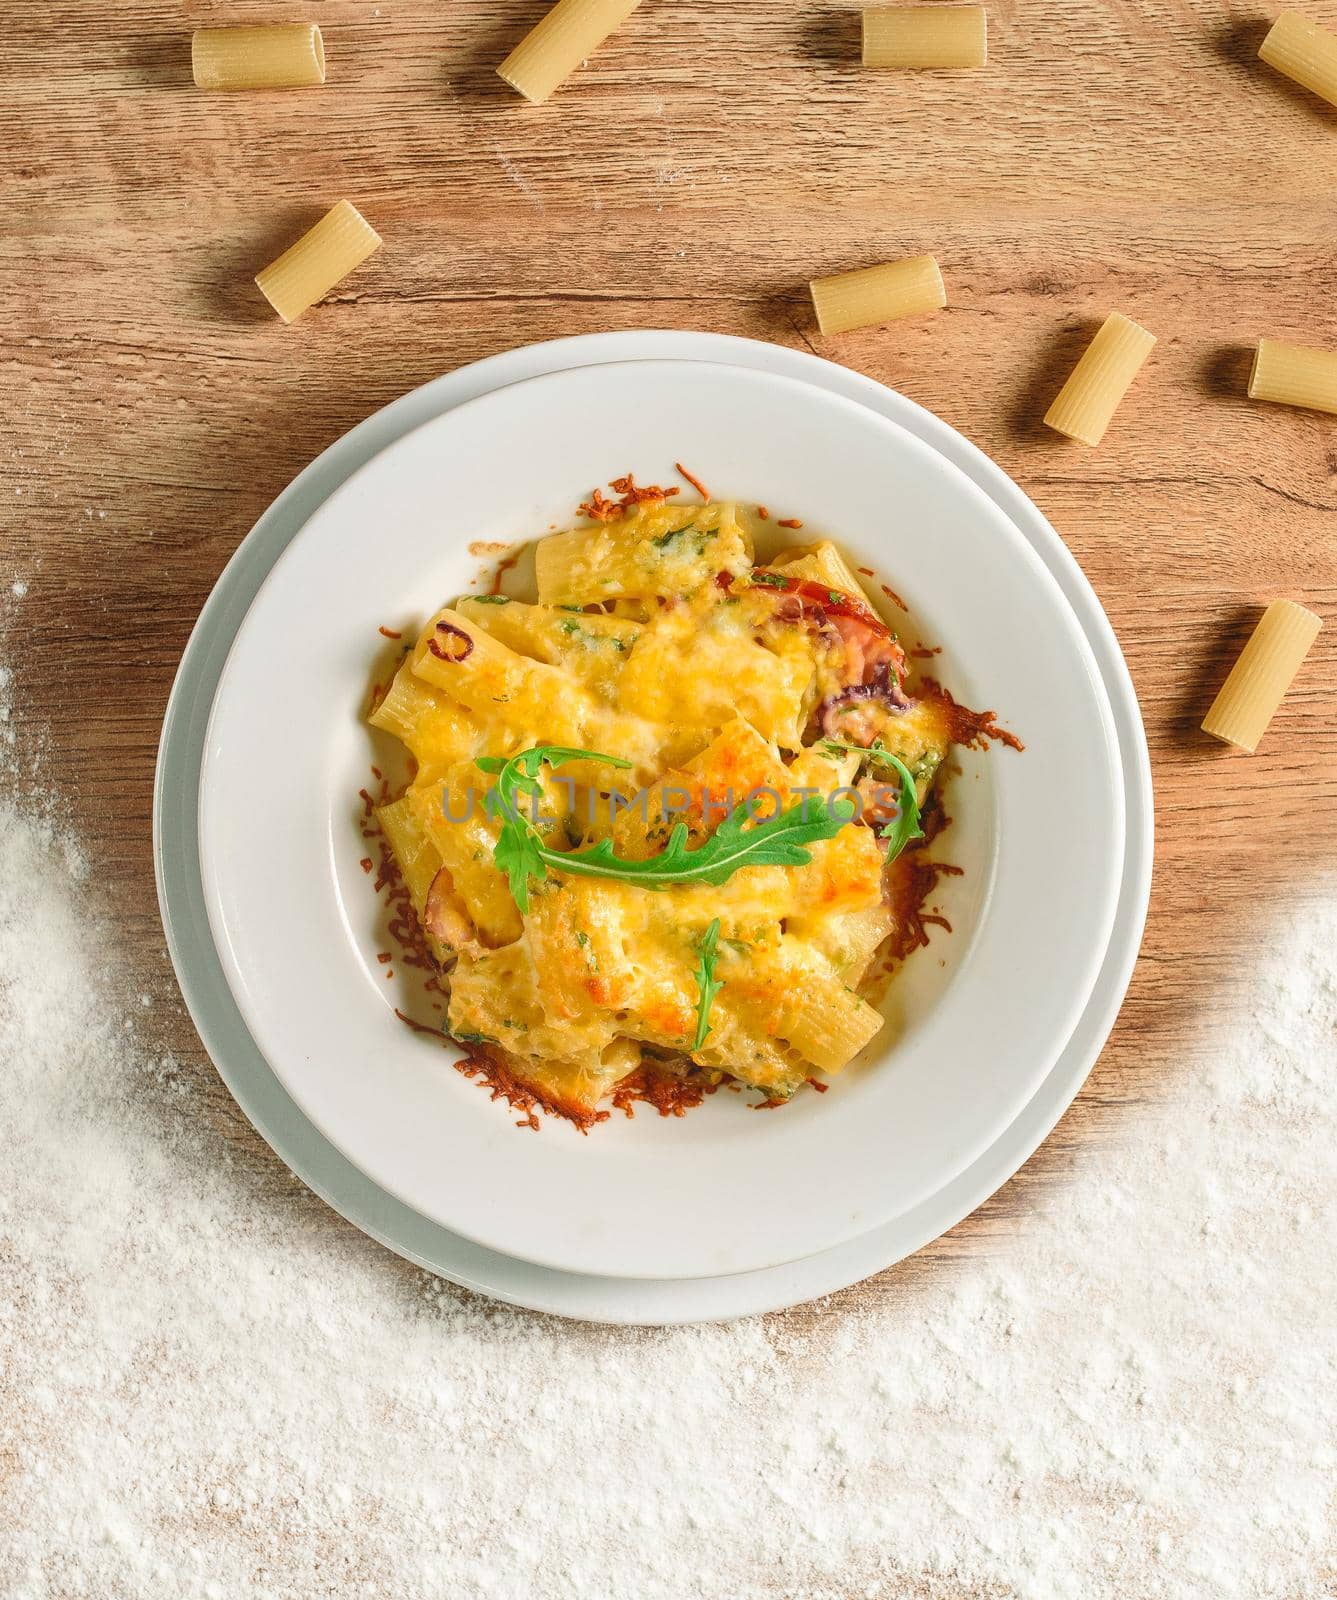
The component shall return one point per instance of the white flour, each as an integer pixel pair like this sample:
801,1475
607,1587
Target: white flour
208,1390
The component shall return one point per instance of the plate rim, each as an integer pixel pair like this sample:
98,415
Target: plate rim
625,1300
265,1014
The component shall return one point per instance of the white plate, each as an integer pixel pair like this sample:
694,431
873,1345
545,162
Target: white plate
971,1042
349,1191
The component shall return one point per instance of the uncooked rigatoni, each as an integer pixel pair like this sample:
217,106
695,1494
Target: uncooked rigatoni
1260,678
286,55
1294,375
553,49
1304,52
1088,400
877,294
308,270
917,37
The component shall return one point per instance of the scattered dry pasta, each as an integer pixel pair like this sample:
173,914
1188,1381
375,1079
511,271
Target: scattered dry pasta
877,294
926,36
308,270
553,49
1291,375
1260,678
289,55
1089,399
1304,52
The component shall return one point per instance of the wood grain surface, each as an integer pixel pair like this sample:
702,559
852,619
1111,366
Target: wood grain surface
706,163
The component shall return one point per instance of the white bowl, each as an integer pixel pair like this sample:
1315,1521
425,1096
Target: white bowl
977,1020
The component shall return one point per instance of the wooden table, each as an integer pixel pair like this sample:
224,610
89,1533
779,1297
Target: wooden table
707,163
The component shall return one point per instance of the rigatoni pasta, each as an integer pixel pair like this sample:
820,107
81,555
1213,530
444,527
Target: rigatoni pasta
553,49
1292,375
308,270
951,37
287,55
1089,399
1304,52
877,294
1260,678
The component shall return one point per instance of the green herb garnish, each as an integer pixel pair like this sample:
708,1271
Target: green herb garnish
466,1037
665,539
521,853
772,580
707,985
493,599
907,825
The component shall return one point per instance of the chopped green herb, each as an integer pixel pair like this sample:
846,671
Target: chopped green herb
663,541
772,580
493,599
706,983
465,1036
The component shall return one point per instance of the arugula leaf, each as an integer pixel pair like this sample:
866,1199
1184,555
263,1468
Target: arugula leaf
906,825
706,983
773,842
519,851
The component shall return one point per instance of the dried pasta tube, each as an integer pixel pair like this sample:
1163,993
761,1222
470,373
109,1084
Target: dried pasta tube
1099,381
555,47
287,55
1260,678
1304,52
877,294
1291,375
308,270
926,36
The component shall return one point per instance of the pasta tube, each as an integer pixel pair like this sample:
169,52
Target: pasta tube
926,36
1260,678
1291,375
418,858
308,270
288,55
555,47
877,294
1099,381
1304,52
826,1022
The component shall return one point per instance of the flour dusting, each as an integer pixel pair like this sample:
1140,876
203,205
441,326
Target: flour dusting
207,1389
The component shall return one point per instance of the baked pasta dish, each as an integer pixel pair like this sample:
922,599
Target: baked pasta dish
665,825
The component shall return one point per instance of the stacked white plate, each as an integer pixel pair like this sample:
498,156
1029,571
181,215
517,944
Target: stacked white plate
271,927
